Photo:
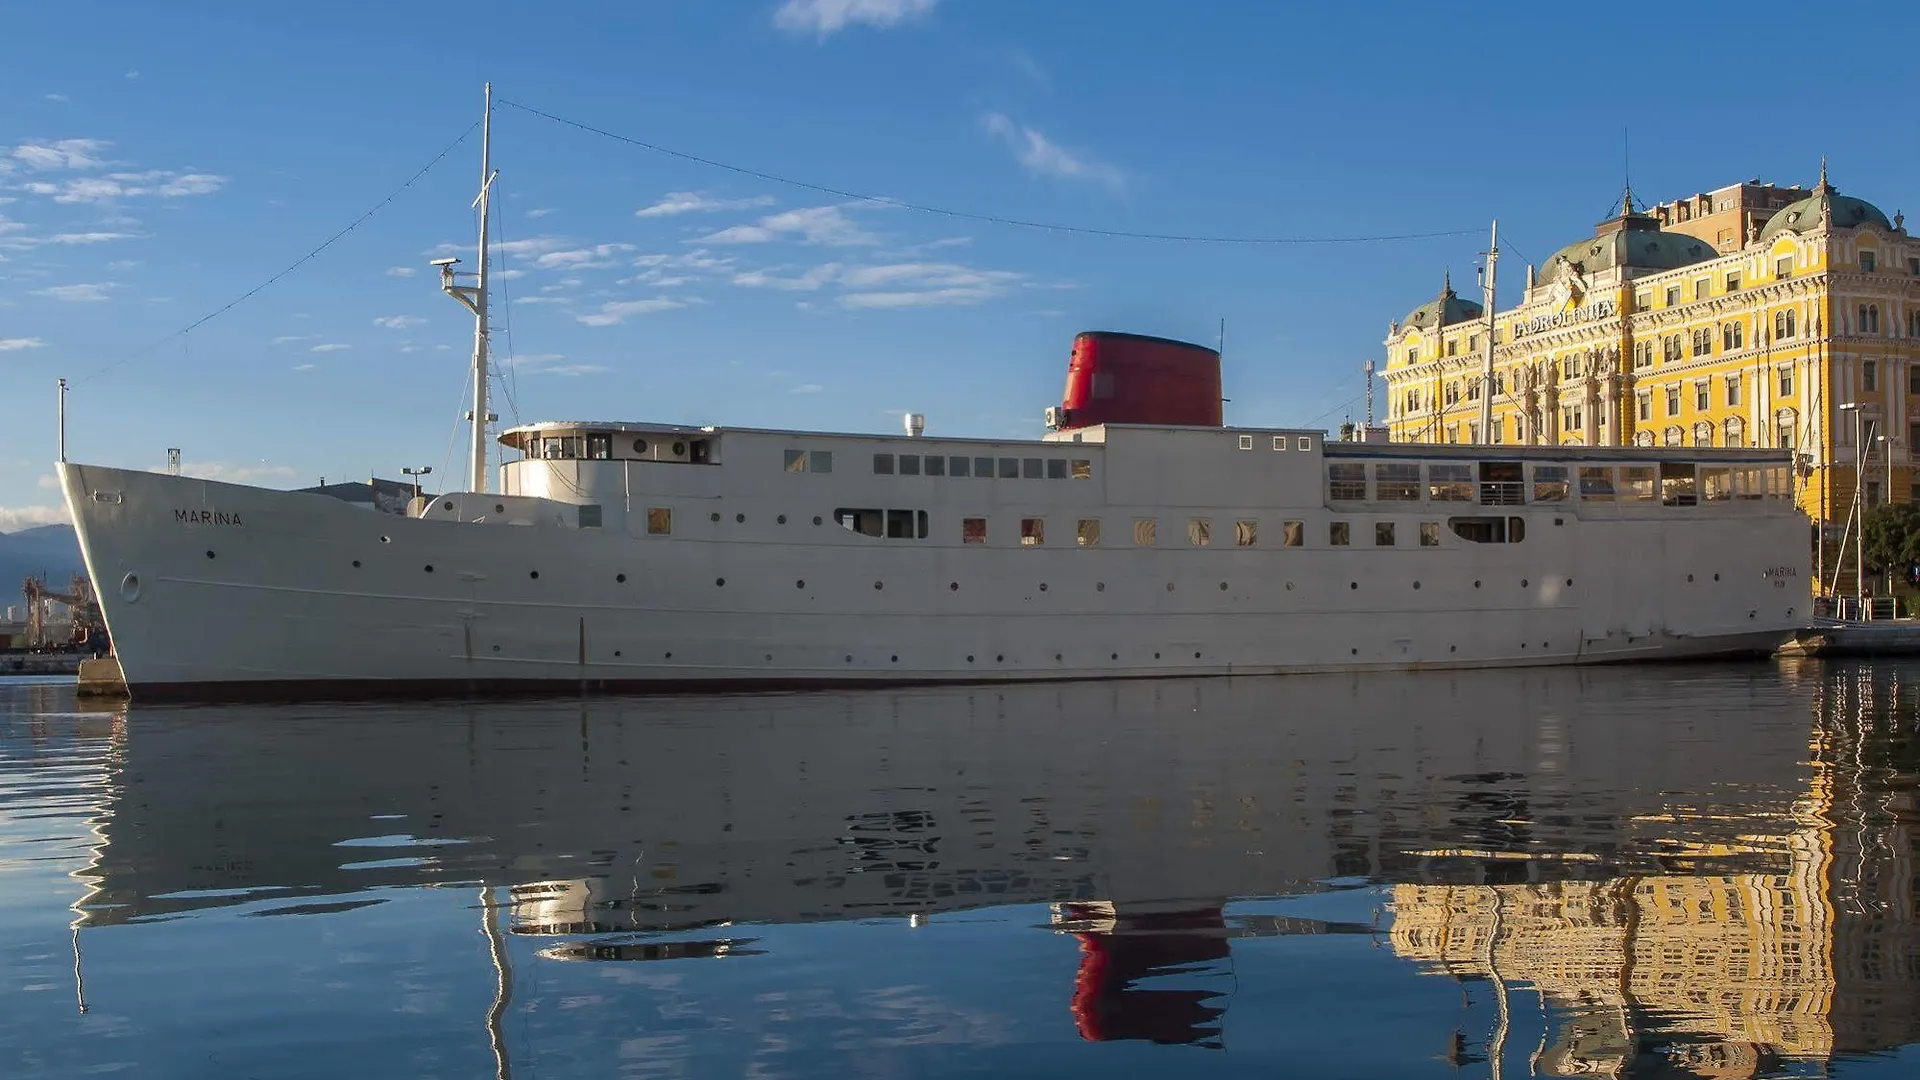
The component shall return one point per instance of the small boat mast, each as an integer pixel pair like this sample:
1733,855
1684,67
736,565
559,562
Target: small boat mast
474,298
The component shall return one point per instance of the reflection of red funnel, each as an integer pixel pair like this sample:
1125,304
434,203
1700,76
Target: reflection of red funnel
1131,947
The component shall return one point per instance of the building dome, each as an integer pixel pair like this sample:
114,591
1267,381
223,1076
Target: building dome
1848,212
1445,310
1639,246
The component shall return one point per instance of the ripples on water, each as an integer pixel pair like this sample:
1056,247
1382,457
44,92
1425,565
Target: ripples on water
1636,871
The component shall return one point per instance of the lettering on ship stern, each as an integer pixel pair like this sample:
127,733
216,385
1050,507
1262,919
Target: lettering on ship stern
206,517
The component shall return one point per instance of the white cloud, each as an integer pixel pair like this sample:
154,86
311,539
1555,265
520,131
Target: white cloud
922,284
76,294
543,300
15,518
807,388
600,255
619,311
330,347
90,237
15,344
285,338
61,154
400,271
815,225
824,17
555,364
1044,157
695,202
809,281
132,75
929,298
58,97
398,322
49,481
305,367
95,189
540,212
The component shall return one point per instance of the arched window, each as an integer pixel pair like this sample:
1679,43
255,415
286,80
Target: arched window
1783,324
1873,319
1675,435
1643,438
1786,426
1703,434
1736,431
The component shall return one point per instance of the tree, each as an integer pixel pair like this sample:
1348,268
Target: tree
1892,535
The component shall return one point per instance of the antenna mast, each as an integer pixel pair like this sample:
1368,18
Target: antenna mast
474,298
1369,371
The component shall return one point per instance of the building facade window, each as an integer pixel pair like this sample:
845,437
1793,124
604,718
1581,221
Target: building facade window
1732,336
1733,389
1869,376
1701,400
1703,342
1645,403
1786,382
1673,401
1783,325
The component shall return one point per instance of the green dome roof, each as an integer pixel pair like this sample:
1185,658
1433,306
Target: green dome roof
1641,248
1848,213
1446,310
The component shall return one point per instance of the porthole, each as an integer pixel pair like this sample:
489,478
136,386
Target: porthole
896,660
1043,586
448,505
679,448
534,574
715,516
500,508
719,582
621,578
781,520
1716,577
429,568
1223,586
1546,644
1523,644
386,539
1353,584
1355,652
669,656
1056,657
1289,586
849,658
1196,656
801,584
1689,577
969,659
816,519
130,587
209,553
1453,648
356,564
1523,582
769,657
1156,656
639,446
1476,584
1416,584
739,519
1001,659
496,648
1169,586
878,585
1099,586
616,654
1116,656
953,586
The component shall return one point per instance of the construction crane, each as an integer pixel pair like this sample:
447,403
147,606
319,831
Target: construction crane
88,629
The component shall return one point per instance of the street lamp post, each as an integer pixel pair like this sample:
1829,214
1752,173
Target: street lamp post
416,474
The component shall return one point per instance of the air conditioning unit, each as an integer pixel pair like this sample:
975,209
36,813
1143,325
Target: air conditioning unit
1053,418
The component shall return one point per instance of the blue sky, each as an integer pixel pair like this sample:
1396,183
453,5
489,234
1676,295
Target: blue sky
157,162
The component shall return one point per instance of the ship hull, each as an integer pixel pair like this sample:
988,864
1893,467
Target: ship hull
222,590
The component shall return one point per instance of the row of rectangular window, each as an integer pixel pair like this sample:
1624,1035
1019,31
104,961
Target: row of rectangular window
1402,482
1005,468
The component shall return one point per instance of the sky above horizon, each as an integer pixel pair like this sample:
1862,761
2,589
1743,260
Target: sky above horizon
156,165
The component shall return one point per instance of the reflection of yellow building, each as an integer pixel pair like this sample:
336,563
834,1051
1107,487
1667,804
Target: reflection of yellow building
1722,974
1742,317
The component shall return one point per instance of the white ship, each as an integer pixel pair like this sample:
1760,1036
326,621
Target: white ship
1139,537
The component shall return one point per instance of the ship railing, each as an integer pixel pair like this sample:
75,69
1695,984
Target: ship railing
1502,493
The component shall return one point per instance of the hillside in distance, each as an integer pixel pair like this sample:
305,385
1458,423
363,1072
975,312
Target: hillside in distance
52,550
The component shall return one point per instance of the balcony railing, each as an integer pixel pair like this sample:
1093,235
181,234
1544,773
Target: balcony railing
1502,493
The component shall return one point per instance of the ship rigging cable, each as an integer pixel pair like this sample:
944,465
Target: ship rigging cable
964,215
295,265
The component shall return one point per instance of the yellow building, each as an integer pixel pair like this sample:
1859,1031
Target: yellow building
1752,316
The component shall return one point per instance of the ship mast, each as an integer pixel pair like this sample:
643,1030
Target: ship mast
1486,377
474,298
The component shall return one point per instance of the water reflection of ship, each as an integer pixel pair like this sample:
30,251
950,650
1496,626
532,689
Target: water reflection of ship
1693,972
659,829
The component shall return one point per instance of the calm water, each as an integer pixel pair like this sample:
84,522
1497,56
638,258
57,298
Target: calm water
1673,871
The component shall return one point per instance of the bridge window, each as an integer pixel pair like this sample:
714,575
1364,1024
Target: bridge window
1031,468
1549,483
1450,483
1033,532
906,524
864,522
883,464
1337,533
659,520
1056,468
796,461
1292,533
1346,481
599,447
1245,533
973,530
1716,482
936,465
957,466
1429,534
1636,482
1383,534
1199,531
1396,482
1677,484
1596,483
1143,532
590,516
1089,532
1081,468
909,464
982,468
1009,468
